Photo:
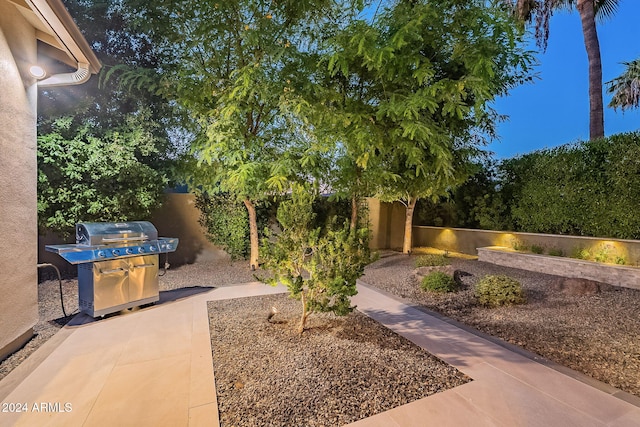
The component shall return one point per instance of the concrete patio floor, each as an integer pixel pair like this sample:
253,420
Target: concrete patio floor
153,367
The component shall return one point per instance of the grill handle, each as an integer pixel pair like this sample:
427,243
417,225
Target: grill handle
144,265
124,239
112,271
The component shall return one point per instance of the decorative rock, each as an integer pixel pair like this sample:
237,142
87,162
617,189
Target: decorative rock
458,275
574,286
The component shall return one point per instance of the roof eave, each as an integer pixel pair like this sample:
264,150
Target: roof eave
54,15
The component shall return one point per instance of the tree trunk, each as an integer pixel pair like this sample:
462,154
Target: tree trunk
355,199
596,107
305,314
408,224
253,234
354,213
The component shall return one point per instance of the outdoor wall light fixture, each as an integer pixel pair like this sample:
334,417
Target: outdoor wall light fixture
505,239
448,238
38,72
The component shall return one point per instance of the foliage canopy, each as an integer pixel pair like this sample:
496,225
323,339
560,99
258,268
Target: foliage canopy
86,174
586,188
236,66
411,92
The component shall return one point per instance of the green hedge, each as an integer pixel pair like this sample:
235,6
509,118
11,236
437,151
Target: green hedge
227,222
585,189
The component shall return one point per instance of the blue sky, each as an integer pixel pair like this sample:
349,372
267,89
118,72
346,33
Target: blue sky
555,109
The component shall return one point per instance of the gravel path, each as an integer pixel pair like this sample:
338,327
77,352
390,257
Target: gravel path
340,370
598,335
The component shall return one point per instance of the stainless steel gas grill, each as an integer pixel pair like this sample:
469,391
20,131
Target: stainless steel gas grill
117,264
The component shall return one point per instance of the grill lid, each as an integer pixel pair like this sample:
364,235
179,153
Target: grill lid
109,233
100,241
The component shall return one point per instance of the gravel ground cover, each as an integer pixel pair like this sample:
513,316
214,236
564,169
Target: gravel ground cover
598,335
209,274
340,370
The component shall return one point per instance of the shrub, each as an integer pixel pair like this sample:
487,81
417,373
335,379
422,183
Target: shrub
581,253
556,252
319,267
88,173
494,291
437,281
431,260
518,245
537,249
226,221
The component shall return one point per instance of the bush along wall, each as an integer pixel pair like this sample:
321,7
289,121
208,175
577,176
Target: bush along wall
227,222
584,189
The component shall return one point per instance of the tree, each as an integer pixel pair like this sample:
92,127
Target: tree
104,152
235,66
426,73
319,267
542,10
340,109
104,103
626,87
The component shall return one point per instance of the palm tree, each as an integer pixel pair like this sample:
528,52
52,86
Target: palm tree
542,10
626,87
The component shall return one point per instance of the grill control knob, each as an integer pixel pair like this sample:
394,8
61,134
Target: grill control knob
129,251
101,254
115,252
141,250
152,248
169,247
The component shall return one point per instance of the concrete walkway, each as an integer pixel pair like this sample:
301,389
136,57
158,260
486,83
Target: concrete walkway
152,367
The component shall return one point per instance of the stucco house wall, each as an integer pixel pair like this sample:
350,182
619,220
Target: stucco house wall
18,179
30,30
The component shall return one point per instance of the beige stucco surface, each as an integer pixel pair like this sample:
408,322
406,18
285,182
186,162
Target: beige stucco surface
178,217
386,221
18,178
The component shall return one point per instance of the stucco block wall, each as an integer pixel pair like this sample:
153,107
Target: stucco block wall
18,180
628,277
178,217
386,222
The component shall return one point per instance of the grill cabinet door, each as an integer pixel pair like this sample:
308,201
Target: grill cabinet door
110,284
143,277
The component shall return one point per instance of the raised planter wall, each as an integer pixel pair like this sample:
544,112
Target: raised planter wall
628,277
467,240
